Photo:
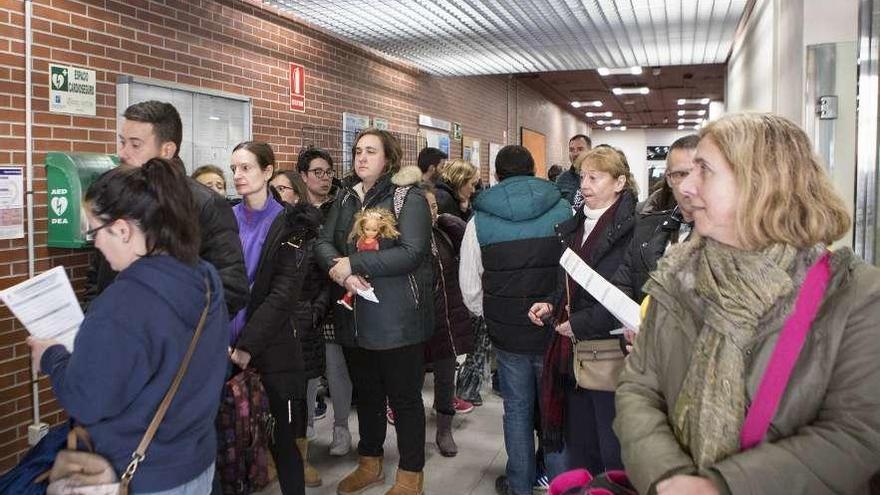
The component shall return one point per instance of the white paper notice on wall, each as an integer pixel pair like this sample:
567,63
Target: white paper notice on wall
615,301
11,203
72,90
46,305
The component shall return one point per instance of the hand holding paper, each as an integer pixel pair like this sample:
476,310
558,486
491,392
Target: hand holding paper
46,306
615,301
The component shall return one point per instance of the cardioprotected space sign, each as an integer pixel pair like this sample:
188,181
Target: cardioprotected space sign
72,90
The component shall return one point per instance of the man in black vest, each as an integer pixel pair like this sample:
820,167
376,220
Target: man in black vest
509,260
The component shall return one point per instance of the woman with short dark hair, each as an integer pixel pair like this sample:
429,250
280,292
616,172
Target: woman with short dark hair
384,341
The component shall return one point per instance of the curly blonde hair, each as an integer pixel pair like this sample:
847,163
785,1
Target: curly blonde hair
387,223
457,173
785,195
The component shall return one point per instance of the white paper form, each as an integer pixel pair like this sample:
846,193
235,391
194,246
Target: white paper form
46,306
369,294
615,301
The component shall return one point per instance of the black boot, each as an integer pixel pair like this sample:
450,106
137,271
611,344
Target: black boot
445,442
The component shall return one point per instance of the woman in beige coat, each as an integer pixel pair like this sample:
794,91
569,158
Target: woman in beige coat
765,212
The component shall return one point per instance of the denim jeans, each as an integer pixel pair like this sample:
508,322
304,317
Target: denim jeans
200,485
520,381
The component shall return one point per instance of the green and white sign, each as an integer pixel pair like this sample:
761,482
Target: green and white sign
72,90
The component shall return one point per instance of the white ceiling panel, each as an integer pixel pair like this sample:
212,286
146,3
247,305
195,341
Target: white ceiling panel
470,37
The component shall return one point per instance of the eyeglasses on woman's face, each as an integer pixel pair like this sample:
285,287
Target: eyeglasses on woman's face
92,233
320,173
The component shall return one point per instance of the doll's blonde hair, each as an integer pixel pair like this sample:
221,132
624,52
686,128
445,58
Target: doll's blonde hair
387,223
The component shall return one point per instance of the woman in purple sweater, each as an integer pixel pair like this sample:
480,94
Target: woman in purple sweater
276,241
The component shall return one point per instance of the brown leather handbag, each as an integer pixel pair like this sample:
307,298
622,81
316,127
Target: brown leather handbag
78,472
597,363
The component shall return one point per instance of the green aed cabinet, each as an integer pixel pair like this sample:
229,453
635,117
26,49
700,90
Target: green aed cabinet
68,177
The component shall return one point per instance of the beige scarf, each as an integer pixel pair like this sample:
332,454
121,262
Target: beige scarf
737,288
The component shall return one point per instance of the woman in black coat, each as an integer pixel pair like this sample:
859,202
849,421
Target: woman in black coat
455,188
453,333
277,241
599,233
383,341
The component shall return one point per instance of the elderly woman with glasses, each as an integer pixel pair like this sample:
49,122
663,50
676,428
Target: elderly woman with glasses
696,410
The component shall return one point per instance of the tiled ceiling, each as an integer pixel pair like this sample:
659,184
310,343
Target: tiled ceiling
659,108
472,37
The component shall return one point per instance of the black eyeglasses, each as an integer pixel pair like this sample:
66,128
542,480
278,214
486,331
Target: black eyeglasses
281,189
90,234
320,172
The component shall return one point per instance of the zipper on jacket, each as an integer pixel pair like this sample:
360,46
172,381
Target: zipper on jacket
445,300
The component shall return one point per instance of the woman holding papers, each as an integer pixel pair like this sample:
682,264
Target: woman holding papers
135,335
756,370
580,419
276,241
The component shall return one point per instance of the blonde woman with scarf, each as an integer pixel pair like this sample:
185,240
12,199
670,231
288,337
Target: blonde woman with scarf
765,214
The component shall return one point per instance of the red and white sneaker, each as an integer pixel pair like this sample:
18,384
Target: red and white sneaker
462,406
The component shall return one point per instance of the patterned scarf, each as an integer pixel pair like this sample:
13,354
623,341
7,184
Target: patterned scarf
737,289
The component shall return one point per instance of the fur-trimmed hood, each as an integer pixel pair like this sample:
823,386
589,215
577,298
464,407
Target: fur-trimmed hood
409,175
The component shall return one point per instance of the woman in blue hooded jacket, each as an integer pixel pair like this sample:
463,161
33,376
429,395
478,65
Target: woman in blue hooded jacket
135,334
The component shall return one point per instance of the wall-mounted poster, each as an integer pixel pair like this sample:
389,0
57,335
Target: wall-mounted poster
439,140
72,90
351,125
380,123
494,148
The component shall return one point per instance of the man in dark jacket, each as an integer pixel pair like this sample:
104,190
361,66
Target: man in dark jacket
509,260
656,230
153,129
569,182
429,161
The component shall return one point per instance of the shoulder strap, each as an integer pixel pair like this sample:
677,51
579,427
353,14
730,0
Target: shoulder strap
399,198
785,354
140,453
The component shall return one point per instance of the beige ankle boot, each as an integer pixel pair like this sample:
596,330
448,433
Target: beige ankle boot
368,473
407,483
310,474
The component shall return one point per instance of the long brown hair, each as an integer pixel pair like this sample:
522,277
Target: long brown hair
785,194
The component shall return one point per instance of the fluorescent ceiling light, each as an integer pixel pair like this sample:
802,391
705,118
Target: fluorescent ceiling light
691,112
621,128
578,104
641,90
693,101
681,127
605,71
605,122
599,114
690,121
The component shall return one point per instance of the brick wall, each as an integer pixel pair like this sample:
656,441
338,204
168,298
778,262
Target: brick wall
227,45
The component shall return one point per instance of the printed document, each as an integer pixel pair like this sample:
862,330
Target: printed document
615,301
46,306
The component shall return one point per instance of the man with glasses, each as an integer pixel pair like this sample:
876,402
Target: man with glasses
316,169
656,229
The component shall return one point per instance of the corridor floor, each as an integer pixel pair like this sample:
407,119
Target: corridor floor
481,457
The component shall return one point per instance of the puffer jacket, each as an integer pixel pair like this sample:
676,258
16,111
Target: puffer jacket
269,334
454,334
569,183
653,233
448,202
312,306
825,436
589,319
220,246
400,271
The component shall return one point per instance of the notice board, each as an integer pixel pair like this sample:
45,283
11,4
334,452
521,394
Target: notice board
536,143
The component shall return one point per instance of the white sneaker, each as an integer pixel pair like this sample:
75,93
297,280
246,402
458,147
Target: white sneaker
341,444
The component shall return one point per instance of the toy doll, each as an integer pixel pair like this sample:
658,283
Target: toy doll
370,225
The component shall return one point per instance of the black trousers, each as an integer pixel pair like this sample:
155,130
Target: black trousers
444,385
589,440
397,374
287,404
